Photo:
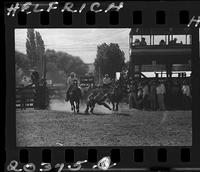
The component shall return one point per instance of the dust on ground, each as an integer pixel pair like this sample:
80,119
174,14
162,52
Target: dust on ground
58,126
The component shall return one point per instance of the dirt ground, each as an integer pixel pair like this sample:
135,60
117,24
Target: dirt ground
58,127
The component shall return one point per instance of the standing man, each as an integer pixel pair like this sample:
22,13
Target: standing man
143,42
145,95
153,95
70,84
133,96
186,96
160,91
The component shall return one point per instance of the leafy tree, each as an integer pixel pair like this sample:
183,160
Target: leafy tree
50,56
35,50
31,47
54,73
40,51
18,74
60,62
109,59
22,61
69,63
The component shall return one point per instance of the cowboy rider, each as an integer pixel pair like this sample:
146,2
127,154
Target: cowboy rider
71,82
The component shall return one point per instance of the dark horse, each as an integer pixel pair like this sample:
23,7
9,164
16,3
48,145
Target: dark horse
74,98
115,96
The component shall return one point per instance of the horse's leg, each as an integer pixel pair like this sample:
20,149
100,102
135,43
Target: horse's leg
72,108
92,108
77,106
113,105
87,108
72,105
117,106
105,105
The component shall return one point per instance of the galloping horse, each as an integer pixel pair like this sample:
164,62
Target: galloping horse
115,96
74,98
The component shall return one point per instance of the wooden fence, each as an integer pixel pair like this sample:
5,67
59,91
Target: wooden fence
25,97
30,97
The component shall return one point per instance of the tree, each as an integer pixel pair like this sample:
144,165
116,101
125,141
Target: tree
109,59
35,50
69,63
60,62
31,47
18,74
22,61
40,51
54,73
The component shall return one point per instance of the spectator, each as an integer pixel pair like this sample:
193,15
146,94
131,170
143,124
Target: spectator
162,42
175,94
143,42
160,91
168,95
186,96
133,97
35,77
145,96
140,97
106,80
171,42
137,42
153,96
25,81
175,41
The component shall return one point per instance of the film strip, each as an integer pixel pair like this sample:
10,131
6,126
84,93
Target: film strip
47,42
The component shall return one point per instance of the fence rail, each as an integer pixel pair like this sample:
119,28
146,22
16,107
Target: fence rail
25,97
32,97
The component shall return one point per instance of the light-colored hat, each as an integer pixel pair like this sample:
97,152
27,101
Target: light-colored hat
72,73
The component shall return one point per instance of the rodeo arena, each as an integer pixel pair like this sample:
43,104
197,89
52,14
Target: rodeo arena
147,104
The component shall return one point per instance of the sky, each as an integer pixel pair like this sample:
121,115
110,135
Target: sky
77,42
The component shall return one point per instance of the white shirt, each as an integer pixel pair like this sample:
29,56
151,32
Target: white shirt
145,90
106,80
186,90
160,89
